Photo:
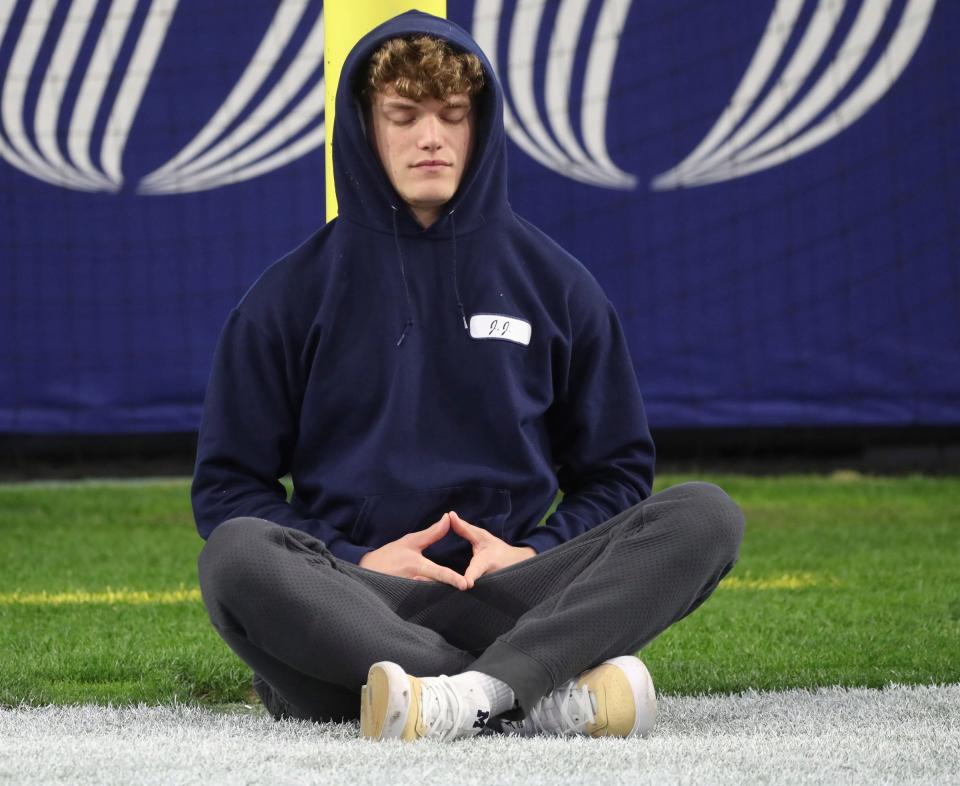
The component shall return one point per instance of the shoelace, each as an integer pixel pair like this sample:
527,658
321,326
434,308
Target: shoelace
440,707
566,711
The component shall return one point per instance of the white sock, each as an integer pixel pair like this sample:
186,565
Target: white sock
498,693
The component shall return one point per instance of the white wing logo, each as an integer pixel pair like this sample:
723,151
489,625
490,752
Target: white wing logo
271,134
45,160
754,133
214,158
767,122
562,152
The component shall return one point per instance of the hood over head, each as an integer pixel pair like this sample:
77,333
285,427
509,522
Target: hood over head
364,192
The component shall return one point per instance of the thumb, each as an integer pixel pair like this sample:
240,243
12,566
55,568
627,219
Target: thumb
431,570
427,537
470,533
477,567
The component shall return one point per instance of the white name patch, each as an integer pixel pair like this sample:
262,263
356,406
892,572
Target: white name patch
500,326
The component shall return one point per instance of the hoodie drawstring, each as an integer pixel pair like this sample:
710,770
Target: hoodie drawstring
456,289
406,291
403,275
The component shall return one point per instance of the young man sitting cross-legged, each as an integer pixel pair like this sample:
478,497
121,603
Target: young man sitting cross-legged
430,368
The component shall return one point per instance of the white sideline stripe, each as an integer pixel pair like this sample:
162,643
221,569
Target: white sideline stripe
274,41
139,70
778,31
95,84
858,737
916,19
55,84
815,38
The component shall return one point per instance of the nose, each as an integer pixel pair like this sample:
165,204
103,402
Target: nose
430,138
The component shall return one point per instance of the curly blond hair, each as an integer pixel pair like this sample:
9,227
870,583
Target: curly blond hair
421,66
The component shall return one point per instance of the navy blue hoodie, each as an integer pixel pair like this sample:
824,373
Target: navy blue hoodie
350,365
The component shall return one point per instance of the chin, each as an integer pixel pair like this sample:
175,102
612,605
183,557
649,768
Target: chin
430,200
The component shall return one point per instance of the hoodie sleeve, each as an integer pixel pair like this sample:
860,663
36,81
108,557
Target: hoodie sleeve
599,433
247,434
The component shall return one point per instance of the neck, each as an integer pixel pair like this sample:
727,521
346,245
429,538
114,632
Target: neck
425,216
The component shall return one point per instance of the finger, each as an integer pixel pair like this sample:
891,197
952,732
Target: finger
421,578
475,570
470,533
442,574
426,537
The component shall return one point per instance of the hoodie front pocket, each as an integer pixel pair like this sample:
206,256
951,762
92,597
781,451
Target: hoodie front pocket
387,517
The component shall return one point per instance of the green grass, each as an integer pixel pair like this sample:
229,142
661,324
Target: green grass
842,580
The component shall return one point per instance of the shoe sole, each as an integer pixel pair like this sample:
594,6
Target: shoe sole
644,694
642,697
385,704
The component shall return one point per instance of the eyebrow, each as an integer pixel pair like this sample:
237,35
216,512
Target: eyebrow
399,103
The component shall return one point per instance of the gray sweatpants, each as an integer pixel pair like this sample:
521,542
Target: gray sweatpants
310,624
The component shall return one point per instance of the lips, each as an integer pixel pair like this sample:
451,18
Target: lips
431,163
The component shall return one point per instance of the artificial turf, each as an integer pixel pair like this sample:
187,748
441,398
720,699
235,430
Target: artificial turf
843,580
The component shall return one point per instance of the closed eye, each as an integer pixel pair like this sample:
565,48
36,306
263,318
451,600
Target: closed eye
401,118
455,111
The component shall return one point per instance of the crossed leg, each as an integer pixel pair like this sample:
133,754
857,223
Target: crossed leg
311,625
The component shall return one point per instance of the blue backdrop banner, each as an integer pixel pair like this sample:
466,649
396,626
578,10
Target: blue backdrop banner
769,192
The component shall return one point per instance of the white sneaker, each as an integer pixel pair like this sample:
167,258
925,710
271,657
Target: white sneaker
615,699
395,705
